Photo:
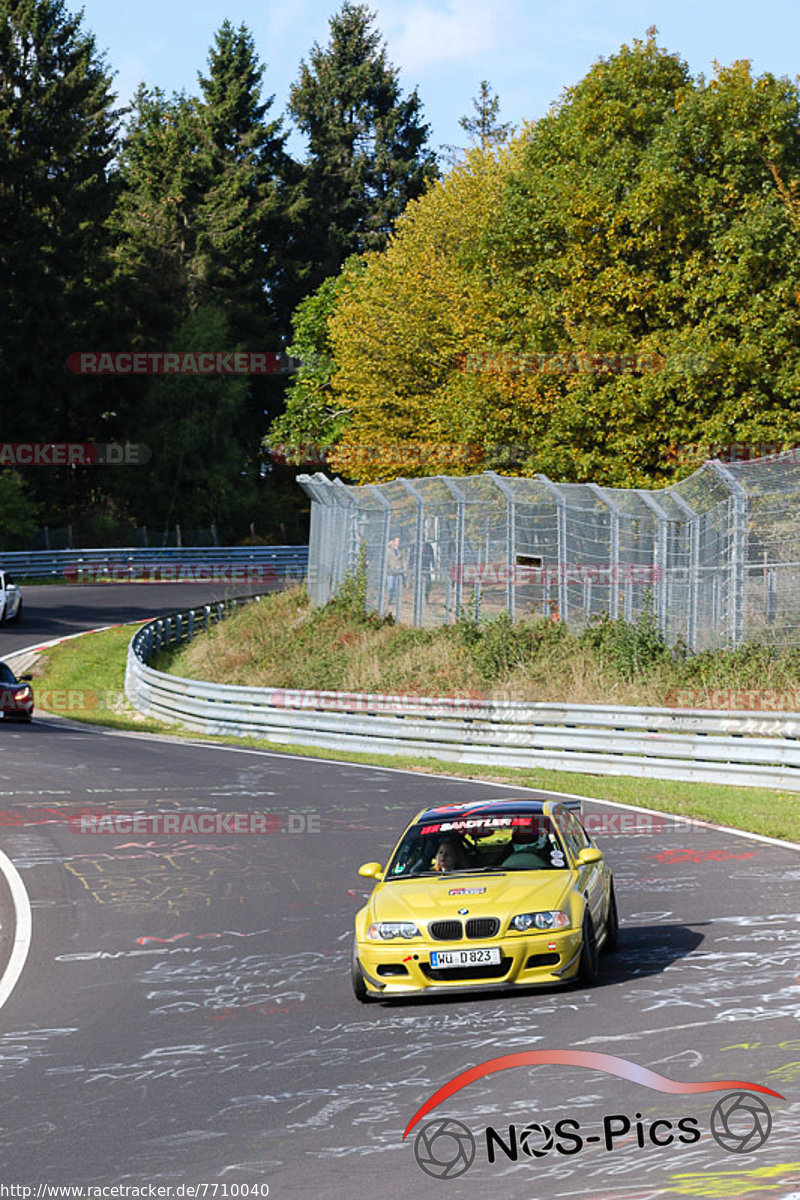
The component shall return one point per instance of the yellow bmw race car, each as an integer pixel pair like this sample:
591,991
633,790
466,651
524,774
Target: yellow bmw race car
492,894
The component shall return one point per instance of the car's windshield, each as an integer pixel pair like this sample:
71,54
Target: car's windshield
479,843
6,674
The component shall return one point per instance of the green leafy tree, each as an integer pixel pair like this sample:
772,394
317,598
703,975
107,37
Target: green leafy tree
367,145
632,273
206,188
18,509
203,225
644,221
164,173
245,214
57,140
312,417
484,129
199,472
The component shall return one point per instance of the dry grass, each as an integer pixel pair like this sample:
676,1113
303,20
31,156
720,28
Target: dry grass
281,642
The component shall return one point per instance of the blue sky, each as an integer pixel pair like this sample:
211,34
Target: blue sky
529,50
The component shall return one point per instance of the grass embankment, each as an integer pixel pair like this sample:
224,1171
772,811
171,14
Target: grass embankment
280,632
84,679
283,642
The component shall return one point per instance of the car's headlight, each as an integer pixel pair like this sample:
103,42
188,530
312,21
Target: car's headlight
23,694
386,930
539,920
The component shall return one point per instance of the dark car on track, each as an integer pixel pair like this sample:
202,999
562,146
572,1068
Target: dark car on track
16,695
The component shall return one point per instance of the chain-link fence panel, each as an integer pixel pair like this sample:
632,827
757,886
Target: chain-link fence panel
715,558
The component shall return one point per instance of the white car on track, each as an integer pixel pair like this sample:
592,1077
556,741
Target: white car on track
10,599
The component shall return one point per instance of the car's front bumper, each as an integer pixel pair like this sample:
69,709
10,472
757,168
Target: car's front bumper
546,958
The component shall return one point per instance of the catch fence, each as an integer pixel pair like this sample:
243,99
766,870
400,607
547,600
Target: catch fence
715,557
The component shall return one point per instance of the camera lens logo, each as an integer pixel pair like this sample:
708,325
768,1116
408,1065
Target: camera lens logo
532,1134
740,1122
444,1149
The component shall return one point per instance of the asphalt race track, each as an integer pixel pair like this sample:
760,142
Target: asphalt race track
60,609
185,1013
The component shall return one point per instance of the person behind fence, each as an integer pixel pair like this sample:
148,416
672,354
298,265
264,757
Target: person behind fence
394,572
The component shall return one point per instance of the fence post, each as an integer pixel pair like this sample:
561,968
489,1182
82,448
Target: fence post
694,569
321,542
418,598
387,517
456,490
348,538
660,592
613,511
511,538
738,505
561,537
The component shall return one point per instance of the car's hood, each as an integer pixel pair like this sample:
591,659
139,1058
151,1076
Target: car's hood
483,895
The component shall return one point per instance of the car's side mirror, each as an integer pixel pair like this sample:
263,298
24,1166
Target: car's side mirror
371,870
25,678
589,855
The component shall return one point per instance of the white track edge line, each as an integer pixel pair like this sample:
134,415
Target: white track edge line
23,931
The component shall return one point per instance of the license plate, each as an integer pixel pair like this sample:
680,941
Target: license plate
466,958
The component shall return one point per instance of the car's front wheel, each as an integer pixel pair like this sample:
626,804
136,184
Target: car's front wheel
357,979
17,614
588,966
612,924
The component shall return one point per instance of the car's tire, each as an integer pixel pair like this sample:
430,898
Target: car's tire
3,614
588,964
612,924
357,979
17,614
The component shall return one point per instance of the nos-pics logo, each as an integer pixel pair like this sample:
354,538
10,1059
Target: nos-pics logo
444,1148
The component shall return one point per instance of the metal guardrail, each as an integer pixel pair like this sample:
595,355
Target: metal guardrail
692,745
284,560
